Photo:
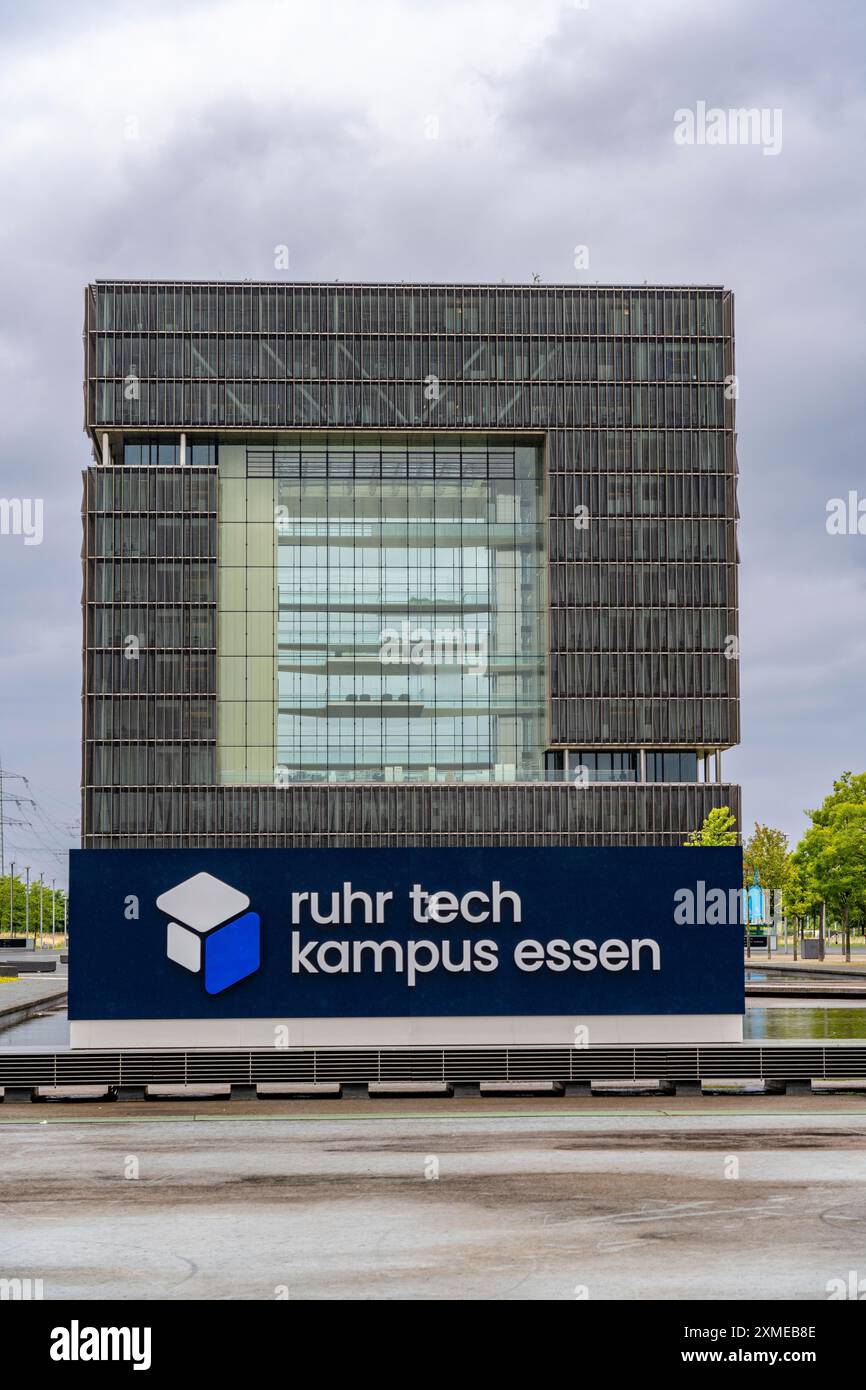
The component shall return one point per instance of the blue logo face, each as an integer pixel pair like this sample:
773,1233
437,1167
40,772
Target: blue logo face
212,931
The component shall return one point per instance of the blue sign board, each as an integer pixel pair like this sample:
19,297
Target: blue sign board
273,933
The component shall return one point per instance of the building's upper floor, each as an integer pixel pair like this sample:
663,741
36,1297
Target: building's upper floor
289,355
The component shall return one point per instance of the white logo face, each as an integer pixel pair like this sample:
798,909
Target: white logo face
207,930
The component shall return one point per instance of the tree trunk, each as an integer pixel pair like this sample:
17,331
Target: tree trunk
822,929
846,928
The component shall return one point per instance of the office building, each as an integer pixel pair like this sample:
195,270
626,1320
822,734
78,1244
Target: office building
396,565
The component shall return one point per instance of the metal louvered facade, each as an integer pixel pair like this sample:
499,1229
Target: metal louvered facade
586,435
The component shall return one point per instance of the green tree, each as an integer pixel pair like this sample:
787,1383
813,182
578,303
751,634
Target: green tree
832,853
767,851
14,924
719,828
800,895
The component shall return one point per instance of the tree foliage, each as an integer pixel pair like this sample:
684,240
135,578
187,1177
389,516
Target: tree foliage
831,856
767,852
719,828
19,906
800,894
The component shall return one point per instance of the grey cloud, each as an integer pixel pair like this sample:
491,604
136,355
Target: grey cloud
581,152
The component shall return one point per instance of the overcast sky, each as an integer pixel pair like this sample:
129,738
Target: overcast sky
188,140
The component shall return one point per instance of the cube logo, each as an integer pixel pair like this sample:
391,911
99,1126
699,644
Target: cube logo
211,931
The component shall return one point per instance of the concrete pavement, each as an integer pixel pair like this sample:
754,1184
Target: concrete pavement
19,997
490,1200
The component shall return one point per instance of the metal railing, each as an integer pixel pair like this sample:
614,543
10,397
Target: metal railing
783,1061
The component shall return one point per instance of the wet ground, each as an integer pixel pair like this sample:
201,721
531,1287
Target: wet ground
47,1028
482,1200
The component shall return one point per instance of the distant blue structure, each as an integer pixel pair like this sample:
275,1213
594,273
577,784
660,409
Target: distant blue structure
756,902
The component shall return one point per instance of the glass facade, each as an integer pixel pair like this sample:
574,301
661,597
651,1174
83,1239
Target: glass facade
401,583
164,451
592,766
300,489
619,765
671,766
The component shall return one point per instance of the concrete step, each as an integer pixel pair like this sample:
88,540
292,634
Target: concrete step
410,1088
194,1090
648,1087
33,967
298,1090
73,1093
522,1088
741,1086
823,1086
